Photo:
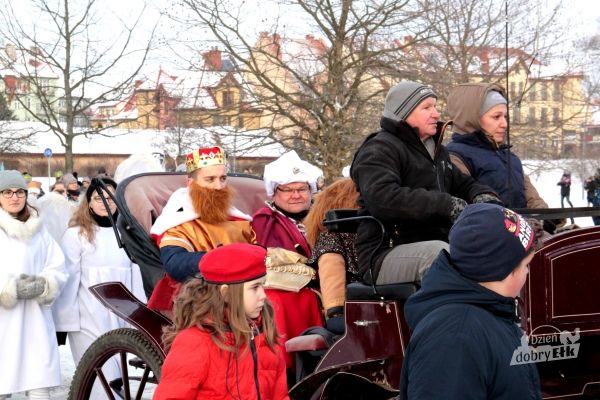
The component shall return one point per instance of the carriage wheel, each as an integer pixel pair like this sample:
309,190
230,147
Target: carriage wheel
139,361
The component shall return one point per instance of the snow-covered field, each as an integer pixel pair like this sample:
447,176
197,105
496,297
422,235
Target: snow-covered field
545,176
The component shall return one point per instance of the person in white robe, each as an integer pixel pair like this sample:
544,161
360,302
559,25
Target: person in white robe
31,277
93,256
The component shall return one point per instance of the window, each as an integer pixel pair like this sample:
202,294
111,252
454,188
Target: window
544,91
544,116
532,93
227,99
517,115
555,115
556,91
531,116
513,88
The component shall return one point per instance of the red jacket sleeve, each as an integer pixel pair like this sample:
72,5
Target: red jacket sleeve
186,367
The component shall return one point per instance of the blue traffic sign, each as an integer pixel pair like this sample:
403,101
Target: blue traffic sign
48,153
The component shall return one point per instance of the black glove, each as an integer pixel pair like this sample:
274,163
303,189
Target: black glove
549,226
458,205
487,198
335,320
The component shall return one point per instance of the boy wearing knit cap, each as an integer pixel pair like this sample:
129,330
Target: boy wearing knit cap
464,319
406,180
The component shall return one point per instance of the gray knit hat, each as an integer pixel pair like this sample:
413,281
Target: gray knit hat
68,178
492,98
12,179
403,98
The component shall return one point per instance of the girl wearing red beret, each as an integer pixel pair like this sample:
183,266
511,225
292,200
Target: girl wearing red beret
223,341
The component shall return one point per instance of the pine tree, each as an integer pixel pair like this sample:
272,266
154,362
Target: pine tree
6,113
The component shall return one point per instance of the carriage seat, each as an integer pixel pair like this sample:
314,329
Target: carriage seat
393,291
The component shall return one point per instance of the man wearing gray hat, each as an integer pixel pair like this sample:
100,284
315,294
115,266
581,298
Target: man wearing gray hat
406,180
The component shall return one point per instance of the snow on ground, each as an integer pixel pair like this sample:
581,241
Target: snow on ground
545,176
67,369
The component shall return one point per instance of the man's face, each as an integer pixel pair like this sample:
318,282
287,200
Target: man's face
425,117
211,177
293,197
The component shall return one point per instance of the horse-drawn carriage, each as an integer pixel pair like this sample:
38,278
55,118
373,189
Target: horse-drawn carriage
364,363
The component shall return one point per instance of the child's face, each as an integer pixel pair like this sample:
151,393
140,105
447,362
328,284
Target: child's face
254,297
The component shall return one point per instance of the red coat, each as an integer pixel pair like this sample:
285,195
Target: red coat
294,312
196,368
273,229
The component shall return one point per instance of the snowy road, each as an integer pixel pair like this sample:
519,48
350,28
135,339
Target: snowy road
67,369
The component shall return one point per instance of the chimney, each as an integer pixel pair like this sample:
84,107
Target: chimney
138,83
11,51
212,59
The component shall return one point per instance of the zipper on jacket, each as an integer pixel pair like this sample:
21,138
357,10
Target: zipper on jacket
255,359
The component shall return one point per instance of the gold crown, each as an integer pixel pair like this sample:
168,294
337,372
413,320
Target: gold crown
204,157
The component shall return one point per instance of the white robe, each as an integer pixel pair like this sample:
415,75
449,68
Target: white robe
28,350
77,310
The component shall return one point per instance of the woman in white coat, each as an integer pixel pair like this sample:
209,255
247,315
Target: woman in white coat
93,256
31,276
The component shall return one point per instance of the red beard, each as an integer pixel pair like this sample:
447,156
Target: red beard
211,205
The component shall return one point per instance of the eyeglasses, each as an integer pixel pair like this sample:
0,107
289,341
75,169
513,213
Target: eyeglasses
288,191
7,194
59,191
98,199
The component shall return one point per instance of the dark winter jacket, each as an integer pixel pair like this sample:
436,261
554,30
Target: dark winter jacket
565,185
489,165
462,343
408,191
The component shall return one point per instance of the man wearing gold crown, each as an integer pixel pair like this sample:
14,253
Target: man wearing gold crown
196,219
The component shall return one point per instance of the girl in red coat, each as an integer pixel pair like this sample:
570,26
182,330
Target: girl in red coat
223,341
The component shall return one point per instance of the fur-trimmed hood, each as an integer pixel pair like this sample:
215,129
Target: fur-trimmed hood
20,230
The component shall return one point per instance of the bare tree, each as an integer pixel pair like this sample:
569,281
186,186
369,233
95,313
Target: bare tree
481,40
88,63
321,90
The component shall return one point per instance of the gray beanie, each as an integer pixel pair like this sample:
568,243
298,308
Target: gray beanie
403,98
492,98
12,179
68,178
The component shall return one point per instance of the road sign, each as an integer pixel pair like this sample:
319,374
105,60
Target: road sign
48,153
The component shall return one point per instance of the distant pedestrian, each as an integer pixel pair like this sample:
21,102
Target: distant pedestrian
565,190
590,187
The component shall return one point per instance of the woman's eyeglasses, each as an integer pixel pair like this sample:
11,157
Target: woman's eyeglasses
98,199
7,194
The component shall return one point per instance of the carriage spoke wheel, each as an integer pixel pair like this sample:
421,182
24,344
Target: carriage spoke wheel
139,364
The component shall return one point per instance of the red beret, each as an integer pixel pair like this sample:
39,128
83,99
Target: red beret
233,263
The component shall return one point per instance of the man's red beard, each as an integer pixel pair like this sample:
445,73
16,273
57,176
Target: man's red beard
210,204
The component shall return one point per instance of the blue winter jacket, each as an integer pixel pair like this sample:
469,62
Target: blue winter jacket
463,339
489,165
